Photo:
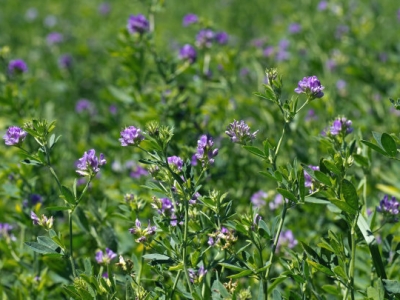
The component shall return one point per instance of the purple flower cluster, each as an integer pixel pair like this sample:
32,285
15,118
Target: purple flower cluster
196,276
89,164
65,61
294,28
14,136
390,208
341,125
138,172
104,8
105,258
17,66
287,239
223,238
142,233
189,19
138,24
310,86
44,221
206,37
32,200
205,152
308,181
5,231
187,52
176,163
259,199
239,132
278,200
85,105
131,136
54,38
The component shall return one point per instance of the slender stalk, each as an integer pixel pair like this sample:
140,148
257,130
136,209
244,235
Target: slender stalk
304,104
184,250
278,147
350,285
278,233
175,282
139,276
71,245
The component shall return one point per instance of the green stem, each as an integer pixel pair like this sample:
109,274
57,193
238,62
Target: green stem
176,282
71,245
139,276
350,285
278,147
185,241
278,233
304,104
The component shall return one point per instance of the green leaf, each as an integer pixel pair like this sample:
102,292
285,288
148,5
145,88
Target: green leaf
361,160
302,187
269,175
316,200
241,274
331,167
232,267
88,266
32,162
48,242
67,195
262,225
331,289
156,257
320,267
287,194
343,206
57,208
256,151
374,147
120,95
389,144
39,248
392,286
340,272
377,136
349,193
321,177
276,295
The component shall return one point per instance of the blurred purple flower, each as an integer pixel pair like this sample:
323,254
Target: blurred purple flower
85,105
44,221
330,64
175,162
205,38
138,24
188,52
50,21
244,72
287,239
105,258
283,44
322,5
14,136
341,125
5,231
17,66
389,208
340,31
294,28
259,199
189,19
383,57
90,163
138,172
341,84
205,152
31,14
310,86
239,132
308,181
311,115
268,51
142,234
113,109
65,61
104,8
222,38
131,136
278,200
54,38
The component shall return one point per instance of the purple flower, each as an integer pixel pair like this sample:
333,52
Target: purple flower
311,115
175,162
389,208
14,136
85,105
197,276
239,132
308,181
189,19
259,199
294,28
139,172
54,38
194,199
341,125
187,52
341,84
268,51
205,38
222,38
138,24
105,258
65,61
34,218
35,199
104,8
17,66
331,64
131,136
89,164
44,221
278,200
31,14
322,5
340,31
287,238
142,233
310,86
211,241
205,152
5,231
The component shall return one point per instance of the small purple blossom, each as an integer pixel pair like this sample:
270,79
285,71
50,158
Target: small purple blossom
142,234
259,199
14,136
43,221
31,14
341,125
197,276
341,84
239,132
222,37
287,239
113,109
277,202
205,38
294,28
331,64
340,31
17,66
187,52
85,105
138,172
205,152
105,258
175,162
310,86
90,164
104,8
34,218
308,181
65,61
189,19
131,136
5,231
268,51
194,199
54,38
322,5
138,24
311,115
389,208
